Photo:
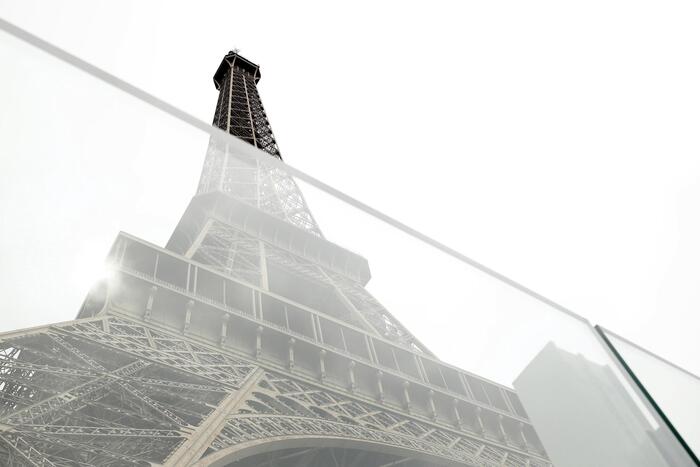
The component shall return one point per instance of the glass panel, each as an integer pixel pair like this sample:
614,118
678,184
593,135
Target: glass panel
675,390
351,325
516,355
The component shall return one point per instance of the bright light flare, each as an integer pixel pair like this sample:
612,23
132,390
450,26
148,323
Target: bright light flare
90,265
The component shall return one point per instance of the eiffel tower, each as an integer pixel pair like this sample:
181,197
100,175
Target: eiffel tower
249,340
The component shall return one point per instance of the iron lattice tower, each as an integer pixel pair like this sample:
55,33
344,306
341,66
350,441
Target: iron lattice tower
250,340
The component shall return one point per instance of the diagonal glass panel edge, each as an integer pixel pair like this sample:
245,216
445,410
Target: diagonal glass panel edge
607,338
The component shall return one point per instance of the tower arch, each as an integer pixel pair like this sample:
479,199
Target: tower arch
316,451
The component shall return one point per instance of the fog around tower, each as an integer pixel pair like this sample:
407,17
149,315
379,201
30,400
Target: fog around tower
496,130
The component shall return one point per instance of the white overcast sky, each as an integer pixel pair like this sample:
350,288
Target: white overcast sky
556,142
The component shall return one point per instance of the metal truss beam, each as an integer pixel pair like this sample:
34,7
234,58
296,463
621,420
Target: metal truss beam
26,451
70,399
97,431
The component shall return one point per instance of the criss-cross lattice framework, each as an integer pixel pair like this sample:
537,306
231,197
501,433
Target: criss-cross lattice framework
105,392
254,182
284,407
250,341
112,391
239,111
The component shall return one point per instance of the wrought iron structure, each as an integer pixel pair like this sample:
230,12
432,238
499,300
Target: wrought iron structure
250,340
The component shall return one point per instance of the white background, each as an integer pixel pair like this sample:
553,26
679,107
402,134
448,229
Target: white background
556,142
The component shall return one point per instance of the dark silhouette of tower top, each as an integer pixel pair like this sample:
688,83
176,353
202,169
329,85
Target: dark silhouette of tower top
234,60
239,110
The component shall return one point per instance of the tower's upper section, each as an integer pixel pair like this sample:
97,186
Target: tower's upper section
251,222
239,110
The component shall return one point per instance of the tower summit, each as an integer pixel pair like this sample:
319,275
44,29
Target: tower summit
239,110
249,340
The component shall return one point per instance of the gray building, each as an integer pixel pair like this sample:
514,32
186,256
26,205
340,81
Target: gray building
585,417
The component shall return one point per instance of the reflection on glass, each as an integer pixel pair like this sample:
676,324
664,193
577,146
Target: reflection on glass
576,404
674,390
